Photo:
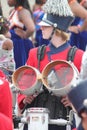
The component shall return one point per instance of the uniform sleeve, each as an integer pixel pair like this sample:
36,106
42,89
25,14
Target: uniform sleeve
31,61
20,100
5,122
32,58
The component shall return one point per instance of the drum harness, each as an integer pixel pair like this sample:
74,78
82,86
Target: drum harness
40,55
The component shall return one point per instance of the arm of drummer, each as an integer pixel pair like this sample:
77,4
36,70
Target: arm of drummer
79,11
66,102
23,99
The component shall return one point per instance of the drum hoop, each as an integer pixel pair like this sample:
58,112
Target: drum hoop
70,63
18,71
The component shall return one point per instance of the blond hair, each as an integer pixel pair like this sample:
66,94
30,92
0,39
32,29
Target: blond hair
65,36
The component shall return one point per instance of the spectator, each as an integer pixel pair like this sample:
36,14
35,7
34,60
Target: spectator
6,46
21,28
79,38
78,12
38,15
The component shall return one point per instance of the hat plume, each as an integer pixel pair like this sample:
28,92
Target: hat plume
57,7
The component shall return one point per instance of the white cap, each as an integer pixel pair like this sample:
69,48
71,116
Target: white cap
43,22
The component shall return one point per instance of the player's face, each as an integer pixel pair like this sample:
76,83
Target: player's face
46,31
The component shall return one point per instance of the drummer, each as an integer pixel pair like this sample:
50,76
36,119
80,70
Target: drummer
57,18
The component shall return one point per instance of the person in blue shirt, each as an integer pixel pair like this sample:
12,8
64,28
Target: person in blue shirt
38,14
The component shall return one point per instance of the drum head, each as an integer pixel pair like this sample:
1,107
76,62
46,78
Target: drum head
57,75
24,77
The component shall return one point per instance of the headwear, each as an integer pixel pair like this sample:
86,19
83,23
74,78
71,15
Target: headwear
57,14
78,96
